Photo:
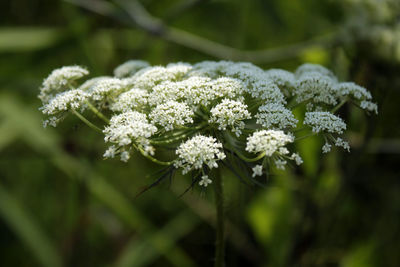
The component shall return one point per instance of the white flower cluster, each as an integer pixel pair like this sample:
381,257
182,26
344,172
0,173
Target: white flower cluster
171,114
59,80
130,127
284,79
106,89
73,99
205,181
230,113
134,99
358,93
321,121
268,142
197,151
129,68
163,105
274,115
149,77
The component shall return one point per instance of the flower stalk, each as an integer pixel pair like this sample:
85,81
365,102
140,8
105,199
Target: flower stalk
220,220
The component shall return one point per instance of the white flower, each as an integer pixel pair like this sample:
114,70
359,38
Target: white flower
370,106
58,81
212,69
197,151
297,159
354,90
88,84
110,152
315,87
129,127
149,77
52,121
307,68
342,143
257,170
197,90
106,89
205,181
324,121
134,99
227,87
275,115
280,164
284,79
167,91
125,156
230,113
171,114
259,84
268,142
73,99
326,148
129,68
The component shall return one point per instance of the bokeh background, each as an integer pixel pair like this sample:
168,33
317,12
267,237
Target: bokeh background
61,204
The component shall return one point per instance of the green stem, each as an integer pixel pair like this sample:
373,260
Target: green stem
97,112
305,136
219,204
241,156
146,155
339,105
88,123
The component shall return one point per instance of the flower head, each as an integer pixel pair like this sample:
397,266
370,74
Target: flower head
198,151
129,68
171,114
324,121
273,115
268,142
129,128
59,80
230,113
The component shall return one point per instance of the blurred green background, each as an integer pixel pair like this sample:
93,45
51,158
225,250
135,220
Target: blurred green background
61,204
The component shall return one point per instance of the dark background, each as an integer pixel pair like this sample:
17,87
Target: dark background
61,204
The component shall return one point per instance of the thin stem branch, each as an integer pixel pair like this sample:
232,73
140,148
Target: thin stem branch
146,155
86,121
339,105
219,204
305,136
241,156
97,112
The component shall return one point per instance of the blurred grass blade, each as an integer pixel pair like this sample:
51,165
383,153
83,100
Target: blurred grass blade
121,206
141,253
44,141
7,134
19,39
23,226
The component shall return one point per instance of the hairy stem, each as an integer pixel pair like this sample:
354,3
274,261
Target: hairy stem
219,204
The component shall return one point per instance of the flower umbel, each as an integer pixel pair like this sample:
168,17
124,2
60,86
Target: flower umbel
191,110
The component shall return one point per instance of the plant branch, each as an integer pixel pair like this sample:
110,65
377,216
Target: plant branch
86,121
219,204
97,112
139,16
